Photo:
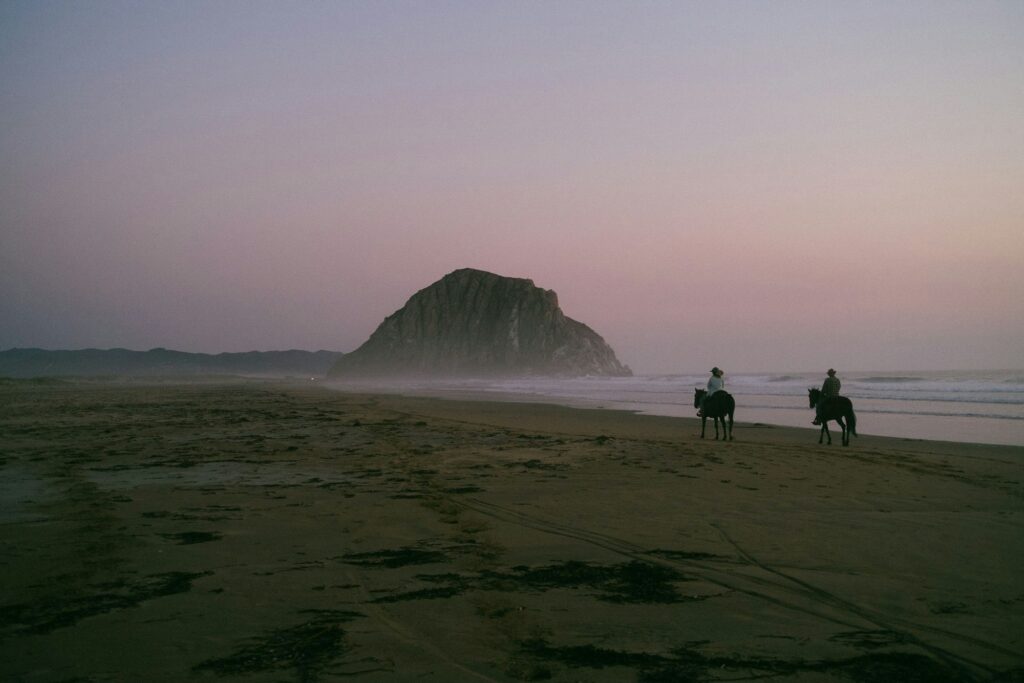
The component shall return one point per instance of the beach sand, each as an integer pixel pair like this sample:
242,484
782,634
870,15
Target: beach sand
274,531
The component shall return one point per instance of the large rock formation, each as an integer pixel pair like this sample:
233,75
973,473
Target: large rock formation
474,323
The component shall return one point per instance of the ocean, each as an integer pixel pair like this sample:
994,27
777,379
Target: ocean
974,407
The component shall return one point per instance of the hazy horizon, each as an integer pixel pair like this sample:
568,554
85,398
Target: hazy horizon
753,185
390,379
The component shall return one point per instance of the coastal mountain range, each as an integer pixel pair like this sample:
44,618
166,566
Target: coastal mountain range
22,363
475,323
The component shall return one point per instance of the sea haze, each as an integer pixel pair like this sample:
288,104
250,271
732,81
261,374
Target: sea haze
971,407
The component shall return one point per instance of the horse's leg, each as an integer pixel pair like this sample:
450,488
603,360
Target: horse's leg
716,419
842,425
730,426
824,428
703,424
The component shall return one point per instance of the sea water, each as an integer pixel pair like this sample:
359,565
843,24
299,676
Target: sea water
976,407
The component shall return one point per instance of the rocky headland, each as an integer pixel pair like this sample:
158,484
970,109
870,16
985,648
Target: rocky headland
473,323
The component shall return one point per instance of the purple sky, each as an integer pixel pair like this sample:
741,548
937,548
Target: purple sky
765,186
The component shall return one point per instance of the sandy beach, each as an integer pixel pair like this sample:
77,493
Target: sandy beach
274,531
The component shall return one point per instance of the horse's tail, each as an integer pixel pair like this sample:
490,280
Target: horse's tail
852,421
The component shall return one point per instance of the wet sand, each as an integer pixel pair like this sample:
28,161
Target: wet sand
267,531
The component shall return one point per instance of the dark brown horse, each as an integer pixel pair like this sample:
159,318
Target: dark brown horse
838,409
718,405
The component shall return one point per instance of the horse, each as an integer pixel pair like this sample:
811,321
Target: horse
836,409
718,405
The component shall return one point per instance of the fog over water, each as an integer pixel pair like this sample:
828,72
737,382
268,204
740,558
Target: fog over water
975,407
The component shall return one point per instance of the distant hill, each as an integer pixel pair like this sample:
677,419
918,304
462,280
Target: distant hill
163,362
472,323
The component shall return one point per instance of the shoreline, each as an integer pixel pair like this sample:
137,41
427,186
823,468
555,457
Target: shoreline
684,413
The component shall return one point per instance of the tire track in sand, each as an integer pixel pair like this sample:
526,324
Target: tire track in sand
773,586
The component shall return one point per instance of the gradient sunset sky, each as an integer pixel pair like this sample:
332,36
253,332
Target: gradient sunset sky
764,186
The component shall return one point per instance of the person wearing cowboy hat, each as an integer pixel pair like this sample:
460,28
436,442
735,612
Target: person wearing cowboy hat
829,391
716,383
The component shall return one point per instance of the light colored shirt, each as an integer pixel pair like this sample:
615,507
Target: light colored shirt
715,384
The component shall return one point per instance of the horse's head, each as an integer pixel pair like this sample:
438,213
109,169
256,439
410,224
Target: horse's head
813,395
698,394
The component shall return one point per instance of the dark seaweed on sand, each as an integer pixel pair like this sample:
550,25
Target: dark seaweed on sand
683,555
463,489
423,594
191,537
686,664
45,615
307,648
398,557
628,582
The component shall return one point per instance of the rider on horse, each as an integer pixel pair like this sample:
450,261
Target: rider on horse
716,383
829,391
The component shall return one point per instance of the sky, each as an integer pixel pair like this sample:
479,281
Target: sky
763,186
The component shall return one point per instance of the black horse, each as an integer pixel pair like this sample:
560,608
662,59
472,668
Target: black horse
718,405
836,409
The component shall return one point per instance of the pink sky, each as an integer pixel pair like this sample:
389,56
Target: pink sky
760,186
